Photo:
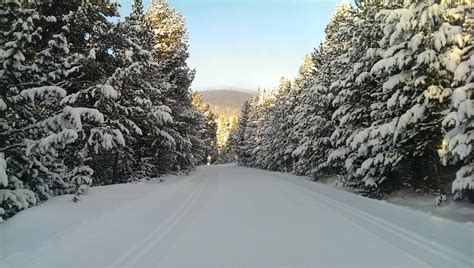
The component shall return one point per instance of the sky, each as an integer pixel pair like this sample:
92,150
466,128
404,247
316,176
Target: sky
249,43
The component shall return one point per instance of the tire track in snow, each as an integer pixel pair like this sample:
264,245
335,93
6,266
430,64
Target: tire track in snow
139,250
437,250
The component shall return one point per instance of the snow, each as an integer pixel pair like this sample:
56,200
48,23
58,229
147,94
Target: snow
462,212
20,198
466,110
464,179
460,144
119,137
167,137
460,94
128,55
3,105
106,138
416,41
3,171
50,18
362,77
142,101
463,69
413,115
300,150
164,114
439,39
66,136
426,57
42,93
392,101
92,54
230,216
108,91
107,141
76,113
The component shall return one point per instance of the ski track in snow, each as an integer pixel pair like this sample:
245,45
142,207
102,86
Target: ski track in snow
132,257
233,216
369,222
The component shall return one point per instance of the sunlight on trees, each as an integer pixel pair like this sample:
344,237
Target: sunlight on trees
168,26
86,101
383,101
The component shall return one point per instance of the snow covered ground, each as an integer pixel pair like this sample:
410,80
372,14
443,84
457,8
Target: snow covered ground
230,216
460,211
454,210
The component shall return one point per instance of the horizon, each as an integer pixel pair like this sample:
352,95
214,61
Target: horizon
246,44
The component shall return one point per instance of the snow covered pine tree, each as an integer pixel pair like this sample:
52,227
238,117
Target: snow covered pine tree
387,93
81,90
36,127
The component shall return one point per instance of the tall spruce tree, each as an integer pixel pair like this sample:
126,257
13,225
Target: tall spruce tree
39,65
406,132
241,136
208,132
315,125
356,91
457,146
171,38
276,140
383,97
88,101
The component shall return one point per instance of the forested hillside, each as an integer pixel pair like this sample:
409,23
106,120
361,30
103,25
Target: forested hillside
386,101
225,105
226,102
85,101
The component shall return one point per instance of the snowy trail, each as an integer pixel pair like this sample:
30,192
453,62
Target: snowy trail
230,216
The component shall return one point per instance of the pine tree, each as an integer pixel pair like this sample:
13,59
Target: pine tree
459,122
227,153
208,131
19,35
253,131
37,70
315,125
137,100
241,135
409,106
93,85
171,37
277,144
385,95
81,91
356,91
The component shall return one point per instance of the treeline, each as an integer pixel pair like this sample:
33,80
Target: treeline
209,131
86,101
386,101
217,133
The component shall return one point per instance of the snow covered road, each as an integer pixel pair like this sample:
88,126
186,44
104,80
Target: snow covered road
230,216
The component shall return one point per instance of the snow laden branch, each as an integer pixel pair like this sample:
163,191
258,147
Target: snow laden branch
87,101
385,102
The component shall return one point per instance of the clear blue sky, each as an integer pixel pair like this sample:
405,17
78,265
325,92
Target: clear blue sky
249,43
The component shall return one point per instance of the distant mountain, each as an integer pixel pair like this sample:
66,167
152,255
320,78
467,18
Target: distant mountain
226,101
224,87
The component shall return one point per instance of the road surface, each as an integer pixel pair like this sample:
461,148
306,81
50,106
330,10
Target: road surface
230,216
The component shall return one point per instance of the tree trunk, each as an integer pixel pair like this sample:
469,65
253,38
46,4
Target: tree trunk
470,195
394,178
115,168
435,178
